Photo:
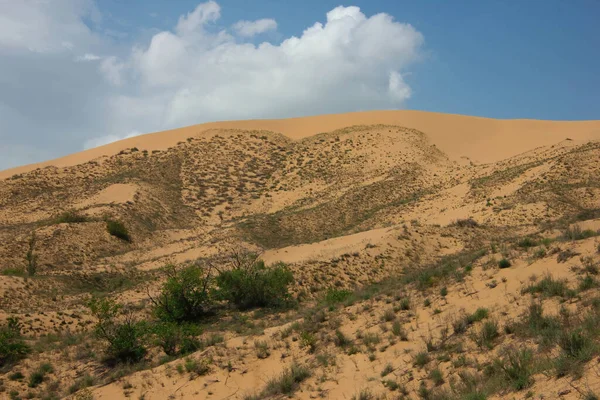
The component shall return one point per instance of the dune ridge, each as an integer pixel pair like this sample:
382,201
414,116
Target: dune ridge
481,140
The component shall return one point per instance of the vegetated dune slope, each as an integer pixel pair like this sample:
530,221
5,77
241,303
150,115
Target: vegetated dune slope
480,139
434,256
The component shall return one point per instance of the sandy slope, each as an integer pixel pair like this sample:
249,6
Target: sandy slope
480,139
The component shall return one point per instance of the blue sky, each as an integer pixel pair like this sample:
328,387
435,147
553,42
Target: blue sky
81,73
499,59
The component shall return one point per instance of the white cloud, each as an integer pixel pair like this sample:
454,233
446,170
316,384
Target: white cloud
87,57
348,63
253,28
45,26
196,72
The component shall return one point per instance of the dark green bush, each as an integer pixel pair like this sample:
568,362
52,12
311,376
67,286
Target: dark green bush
124,336
504,263
12,345
118,230
251,284
175,339
186,294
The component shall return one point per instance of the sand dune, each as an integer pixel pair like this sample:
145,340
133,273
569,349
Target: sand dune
482,140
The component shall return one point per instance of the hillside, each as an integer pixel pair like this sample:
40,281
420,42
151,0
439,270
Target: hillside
433,256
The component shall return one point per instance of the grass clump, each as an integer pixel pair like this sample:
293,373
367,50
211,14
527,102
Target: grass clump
288,382
389,368
487,334
516,367
504,263
577,348
262,349
118,230
422,358
436,376
550,287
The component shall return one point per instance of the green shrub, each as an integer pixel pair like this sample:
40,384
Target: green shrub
124,336
118,230
175,339
185,295
12,345
504,263
251,284
389,368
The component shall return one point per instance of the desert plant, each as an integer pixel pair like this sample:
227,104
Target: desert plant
176,339
251,284
122,333
504,263
118,230
12,345
185,295
341,340
389,368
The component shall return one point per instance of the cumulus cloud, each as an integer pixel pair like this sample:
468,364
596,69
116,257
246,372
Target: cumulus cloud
253,28
197,71
193,74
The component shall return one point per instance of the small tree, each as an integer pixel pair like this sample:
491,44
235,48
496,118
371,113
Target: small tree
185,295
12,345
249,283
120,330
